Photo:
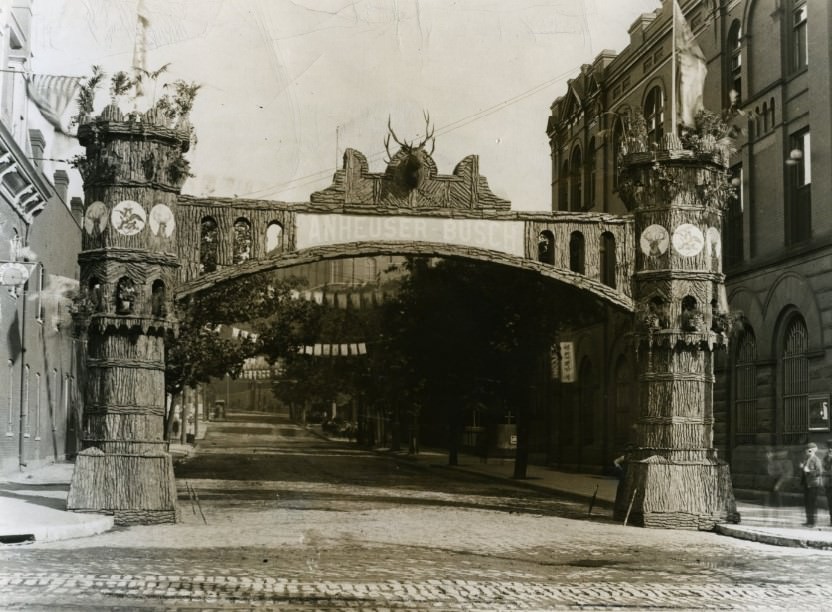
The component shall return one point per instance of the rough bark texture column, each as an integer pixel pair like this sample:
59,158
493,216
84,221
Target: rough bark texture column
674,478
132,175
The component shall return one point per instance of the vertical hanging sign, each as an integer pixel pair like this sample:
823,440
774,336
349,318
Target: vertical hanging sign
567,362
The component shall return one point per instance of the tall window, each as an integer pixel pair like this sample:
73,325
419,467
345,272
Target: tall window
591,172
563,187
654,114
617,141
576,180
795,368
735,62
799,217
732,242
576,252
608,259
800,41
208,245
745,388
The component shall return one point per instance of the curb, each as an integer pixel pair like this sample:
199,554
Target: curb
763,537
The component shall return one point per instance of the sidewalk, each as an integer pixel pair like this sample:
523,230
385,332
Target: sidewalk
33,507
759,523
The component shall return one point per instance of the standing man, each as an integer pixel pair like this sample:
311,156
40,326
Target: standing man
827,477
811,477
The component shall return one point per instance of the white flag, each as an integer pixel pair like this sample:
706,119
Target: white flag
52,95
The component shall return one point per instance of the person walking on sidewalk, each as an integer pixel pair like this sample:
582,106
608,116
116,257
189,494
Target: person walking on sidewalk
827,477
811,476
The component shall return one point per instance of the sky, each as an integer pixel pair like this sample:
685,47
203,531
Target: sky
288,85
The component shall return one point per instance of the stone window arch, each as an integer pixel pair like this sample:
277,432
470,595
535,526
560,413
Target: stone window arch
576,252
608,259
242,240
209,242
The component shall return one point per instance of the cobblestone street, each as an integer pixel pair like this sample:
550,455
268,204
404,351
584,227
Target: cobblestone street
274,516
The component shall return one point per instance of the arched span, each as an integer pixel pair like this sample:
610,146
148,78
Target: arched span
427,249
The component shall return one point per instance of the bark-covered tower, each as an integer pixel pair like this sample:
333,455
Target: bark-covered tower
133,172
677,194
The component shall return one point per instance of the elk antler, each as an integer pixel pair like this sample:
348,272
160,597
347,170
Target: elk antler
428,134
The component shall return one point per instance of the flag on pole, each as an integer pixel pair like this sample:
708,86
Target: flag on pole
52,95
692,69
140,46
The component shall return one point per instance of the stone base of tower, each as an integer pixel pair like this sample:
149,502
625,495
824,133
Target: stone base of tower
656,492
135,489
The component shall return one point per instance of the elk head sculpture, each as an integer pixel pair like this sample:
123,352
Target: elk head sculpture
410,168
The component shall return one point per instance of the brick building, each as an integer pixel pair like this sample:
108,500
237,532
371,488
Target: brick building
38,232
771,60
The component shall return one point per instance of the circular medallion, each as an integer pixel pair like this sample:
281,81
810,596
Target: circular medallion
161,220
128,217
95,217
654,240
13,274
688,240
714,242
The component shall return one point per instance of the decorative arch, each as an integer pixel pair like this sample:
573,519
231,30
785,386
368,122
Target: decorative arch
158,298
792,291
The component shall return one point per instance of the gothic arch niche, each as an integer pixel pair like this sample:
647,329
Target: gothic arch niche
125,296
158,299
208,245
242,240
274,237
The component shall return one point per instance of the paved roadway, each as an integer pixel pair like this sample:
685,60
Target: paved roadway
275,517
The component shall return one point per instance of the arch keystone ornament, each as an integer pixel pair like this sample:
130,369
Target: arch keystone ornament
674,478
124,468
